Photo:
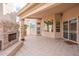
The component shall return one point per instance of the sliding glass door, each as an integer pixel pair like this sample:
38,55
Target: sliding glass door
73,29
65,28
70,29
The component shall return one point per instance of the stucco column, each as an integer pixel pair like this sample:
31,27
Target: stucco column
38,26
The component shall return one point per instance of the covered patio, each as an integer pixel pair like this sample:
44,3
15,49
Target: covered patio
44,46
57,29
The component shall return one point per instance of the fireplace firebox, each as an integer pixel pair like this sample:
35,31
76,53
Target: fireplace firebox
11,37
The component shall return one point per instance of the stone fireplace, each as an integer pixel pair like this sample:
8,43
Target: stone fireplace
8,34
8,25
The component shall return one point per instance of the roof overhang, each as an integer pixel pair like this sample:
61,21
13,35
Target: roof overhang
38,10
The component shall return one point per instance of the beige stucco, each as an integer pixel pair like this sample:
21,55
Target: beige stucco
67,15
70,13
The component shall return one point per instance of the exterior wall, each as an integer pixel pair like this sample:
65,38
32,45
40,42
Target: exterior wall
69,14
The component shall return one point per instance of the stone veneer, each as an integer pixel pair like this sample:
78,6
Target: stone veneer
8,24
6,28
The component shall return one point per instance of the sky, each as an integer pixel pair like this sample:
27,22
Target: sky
18,6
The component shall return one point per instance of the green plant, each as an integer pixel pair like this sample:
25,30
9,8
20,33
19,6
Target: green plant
25,26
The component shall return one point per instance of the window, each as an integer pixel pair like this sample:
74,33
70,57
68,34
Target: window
58,18
65,34
73,36
48,26
65,26
38,30
57,25
70,33
73,25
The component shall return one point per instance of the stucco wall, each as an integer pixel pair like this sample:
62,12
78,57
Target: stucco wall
67,15
70,13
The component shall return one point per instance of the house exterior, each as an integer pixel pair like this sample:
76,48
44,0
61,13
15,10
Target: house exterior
54,20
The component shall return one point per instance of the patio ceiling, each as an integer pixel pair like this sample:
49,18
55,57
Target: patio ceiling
48,9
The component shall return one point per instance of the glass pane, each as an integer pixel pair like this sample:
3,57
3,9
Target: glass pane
38,30
57,26
73,25
65,26
57,30
72,36
48,26
73,29
65,35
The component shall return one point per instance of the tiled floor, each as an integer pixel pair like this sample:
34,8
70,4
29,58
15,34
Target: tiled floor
42,46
